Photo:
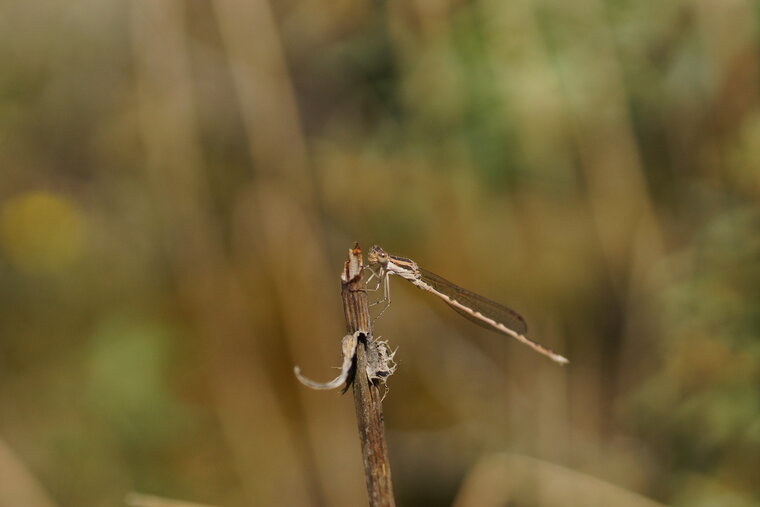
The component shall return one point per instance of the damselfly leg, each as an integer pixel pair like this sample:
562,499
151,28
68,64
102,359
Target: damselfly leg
386,296
382,279
375,274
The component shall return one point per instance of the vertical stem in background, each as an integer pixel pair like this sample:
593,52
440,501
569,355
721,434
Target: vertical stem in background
267,101
367,398
264,450
19,486
279,209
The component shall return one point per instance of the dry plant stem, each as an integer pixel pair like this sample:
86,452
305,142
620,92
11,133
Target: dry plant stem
367,398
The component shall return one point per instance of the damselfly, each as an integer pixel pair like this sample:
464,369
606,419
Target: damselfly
480,310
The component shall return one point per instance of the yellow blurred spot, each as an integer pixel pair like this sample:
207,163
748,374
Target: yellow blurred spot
42,232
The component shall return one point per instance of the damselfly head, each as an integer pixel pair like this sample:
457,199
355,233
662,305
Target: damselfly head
377,255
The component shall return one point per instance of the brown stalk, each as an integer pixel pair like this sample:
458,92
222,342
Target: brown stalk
367,395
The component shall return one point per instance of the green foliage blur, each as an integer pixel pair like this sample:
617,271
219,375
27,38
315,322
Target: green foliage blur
180,182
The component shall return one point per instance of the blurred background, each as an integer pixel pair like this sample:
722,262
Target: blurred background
180,182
